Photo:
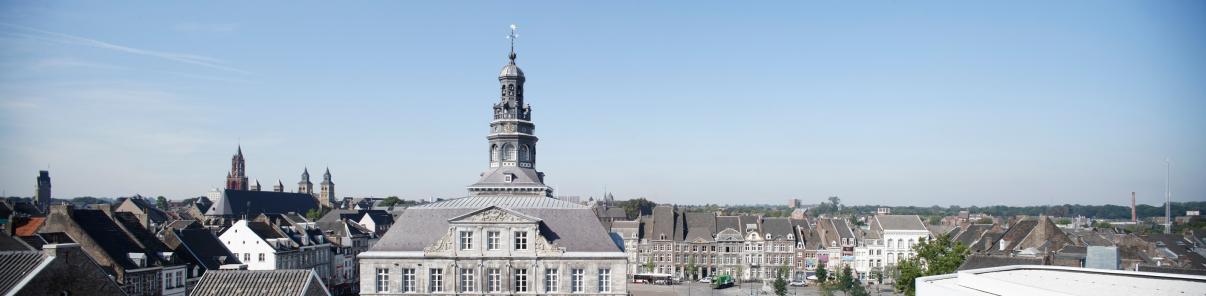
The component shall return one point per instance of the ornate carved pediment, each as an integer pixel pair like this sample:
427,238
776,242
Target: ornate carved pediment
443,245
545,248
494,214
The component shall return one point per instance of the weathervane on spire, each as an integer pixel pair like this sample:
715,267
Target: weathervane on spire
512,37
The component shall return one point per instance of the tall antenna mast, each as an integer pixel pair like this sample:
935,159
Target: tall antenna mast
1167,196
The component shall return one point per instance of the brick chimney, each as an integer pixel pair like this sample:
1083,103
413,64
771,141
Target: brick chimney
58,250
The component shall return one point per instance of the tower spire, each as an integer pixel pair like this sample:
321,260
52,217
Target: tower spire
512,37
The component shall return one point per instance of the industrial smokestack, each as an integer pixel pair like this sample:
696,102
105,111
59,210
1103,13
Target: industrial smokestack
1133,217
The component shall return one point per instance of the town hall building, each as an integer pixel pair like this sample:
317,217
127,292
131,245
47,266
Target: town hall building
507,236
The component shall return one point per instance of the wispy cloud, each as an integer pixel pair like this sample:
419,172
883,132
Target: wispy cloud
204,27
48,36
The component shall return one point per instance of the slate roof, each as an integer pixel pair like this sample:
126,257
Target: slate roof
843,229
777,227
155,214
379,216
17,265
9,243
1014,235
110,238
985,261
728,222
130,224
203,247
252,203
900,222
285,282
664,220
972,234
573,227
700,226
522,178
750,223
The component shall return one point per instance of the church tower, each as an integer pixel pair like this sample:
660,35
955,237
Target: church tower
327,195
304,186
237,178
512,142
42,196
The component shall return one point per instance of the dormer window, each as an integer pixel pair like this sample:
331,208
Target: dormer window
507,178
768,236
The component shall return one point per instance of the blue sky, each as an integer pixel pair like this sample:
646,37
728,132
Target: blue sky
901,103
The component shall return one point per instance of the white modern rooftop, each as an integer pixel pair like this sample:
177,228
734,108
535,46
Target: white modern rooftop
1036,280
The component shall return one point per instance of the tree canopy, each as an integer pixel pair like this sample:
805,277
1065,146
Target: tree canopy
937,256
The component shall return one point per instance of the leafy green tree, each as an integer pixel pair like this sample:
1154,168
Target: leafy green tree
313,214
1063,221
161,202
390,201
780,284
940,256
822,274
935,220
984,221
649,264
691,268
845,278
636,207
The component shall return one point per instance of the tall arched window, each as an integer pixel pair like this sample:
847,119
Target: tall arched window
508,152
493,152
523,153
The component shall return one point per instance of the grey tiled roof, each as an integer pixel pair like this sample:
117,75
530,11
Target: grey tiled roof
777,227
16,265
972,234
522,177
900,222
202,247
728,222
843,229
285,282
567,225
9,243
664,220
700,226
110,238
251,203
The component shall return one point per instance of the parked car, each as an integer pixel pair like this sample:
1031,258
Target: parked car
798,284
706,280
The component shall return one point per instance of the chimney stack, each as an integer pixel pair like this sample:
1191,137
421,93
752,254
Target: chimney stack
1134,218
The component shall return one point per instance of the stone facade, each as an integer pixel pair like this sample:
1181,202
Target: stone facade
508,237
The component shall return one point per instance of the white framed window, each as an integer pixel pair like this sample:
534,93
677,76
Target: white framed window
382,280
408,280
521,240
507,178
493,240
550,280
261,257
521,280
468,283
435,280
493,280
604,280
179,278
466,239
577,278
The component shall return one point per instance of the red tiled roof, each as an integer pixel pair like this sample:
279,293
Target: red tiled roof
30,227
